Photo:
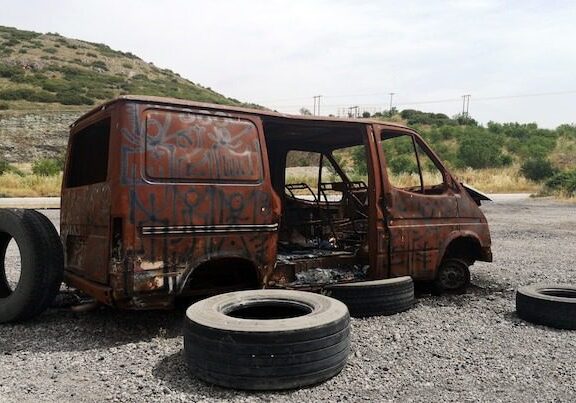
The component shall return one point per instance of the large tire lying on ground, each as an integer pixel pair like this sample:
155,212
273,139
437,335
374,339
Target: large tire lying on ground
266,339
378,297
41,264
552,305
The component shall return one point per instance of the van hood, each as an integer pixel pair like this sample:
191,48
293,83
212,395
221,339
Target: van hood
476,195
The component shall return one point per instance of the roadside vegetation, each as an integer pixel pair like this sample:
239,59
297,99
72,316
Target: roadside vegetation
497,158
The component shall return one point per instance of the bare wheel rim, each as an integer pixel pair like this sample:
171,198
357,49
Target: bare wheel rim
452,276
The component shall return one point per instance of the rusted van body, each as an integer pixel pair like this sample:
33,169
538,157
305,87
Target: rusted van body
164,198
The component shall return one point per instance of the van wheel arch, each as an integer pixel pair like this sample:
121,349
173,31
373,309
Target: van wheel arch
463,247
222,274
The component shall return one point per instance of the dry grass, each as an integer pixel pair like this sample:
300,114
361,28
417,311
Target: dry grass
501,180
494,180
12,185
497,180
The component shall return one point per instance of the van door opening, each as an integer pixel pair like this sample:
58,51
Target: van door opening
322,174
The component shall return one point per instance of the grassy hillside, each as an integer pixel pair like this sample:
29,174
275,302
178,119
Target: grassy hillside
49,71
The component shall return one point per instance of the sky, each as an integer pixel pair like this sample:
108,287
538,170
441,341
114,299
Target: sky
516,59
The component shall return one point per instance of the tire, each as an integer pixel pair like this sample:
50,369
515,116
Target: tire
373,298
283,339
453,276
551,305
42,264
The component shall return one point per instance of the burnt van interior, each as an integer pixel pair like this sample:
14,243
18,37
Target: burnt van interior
324,225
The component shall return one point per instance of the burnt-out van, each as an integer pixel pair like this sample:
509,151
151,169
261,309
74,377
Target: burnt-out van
164,198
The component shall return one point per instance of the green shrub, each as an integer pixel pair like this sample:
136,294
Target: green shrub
11,42
99,64
73,98
402,164
482,151
8,71
51,50
358,154
4,166
56,85
27,94
563,183
46,167
537,169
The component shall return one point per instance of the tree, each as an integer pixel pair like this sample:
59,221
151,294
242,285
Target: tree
482,151
305,111
537,169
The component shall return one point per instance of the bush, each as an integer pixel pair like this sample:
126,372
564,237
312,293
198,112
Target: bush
47,167
4,106
537,169
402,164
71,98
8,71
4,167
563,183
27,95
99,64
51,50
482,151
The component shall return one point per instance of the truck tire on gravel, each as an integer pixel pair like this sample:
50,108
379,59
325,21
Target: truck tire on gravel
552,305
41,264
378,297
266,339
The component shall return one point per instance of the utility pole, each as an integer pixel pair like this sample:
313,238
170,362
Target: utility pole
465,105
353,111
317,104
391,96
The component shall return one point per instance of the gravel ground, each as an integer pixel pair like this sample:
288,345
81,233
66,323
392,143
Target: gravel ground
449,348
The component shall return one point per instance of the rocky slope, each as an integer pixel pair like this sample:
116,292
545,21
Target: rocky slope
47,81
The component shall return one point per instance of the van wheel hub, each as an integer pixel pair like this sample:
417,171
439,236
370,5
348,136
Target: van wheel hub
453,275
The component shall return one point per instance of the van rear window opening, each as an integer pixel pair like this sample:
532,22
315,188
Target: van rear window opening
88,160
201,148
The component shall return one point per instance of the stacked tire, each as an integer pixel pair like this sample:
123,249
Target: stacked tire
266,339
41,268
374,298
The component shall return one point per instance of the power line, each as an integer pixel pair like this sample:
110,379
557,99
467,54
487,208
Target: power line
436,101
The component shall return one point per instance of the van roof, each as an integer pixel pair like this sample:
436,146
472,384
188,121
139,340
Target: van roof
261,112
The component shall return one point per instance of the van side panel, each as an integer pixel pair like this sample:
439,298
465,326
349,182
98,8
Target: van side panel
194,189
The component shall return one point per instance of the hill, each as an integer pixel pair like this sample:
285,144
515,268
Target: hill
47,81
49,71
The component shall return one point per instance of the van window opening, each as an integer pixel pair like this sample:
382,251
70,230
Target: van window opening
88,161
409,166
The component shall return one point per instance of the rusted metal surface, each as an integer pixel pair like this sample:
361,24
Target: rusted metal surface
192,204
